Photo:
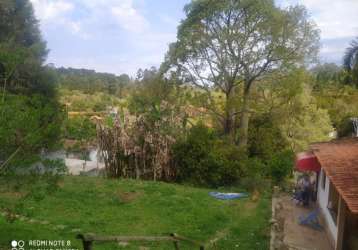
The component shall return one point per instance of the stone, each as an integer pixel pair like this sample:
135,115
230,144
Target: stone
60,227
32,221
44,222
123,244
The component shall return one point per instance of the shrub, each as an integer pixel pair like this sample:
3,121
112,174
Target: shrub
265,138
281,165
345,126
203,159
80,128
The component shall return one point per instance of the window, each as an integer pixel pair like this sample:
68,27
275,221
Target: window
323,179
333,199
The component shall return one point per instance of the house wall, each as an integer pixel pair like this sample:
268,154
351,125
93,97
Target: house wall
323,195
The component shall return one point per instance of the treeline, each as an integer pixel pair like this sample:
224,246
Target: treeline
90,81
336,90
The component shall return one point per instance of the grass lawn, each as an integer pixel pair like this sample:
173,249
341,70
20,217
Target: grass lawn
130,207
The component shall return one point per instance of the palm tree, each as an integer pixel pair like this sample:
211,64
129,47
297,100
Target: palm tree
350,61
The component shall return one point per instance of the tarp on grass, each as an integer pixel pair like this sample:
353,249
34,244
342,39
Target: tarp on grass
228,196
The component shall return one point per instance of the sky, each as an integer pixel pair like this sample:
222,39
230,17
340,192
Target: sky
121,36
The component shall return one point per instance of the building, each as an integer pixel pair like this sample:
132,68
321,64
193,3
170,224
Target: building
336,163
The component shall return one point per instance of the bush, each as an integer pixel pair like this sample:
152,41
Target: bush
281,165
265,138
254,173
345,126
80,128
203,159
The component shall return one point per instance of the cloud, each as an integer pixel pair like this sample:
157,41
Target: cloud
335,18
128,38
57,13
128,17
46,9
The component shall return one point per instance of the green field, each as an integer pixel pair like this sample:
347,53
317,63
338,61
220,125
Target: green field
129,207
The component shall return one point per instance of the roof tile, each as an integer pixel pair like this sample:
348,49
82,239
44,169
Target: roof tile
339,159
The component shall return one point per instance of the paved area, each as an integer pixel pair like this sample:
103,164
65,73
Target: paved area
76,166
295,236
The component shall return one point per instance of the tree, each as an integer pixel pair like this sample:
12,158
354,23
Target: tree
327,74
226,44
350,61
30,115
291,107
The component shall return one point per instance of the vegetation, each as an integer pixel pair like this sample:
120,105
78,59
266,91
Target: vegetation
30,115
128,207
350,62
203,159
233,45
90,82
238,94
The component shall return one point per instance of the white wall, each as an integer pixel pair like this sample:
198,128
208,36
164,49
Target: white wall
323,201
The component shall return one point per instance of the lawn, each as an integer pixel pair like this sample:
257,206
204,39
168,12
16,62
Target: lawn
130,207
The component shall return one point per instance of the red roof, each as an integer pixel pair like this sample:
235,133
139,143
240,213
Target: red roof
307,161
339,159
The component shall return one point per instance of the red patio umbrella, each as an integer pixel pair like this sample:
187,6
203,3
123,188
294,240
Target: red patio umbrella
307,161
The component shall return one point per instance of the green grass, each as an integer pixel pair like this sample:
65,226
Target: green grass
129,207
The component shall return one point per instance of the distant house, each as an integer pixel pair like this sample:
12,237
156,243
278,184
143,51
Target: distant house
336,163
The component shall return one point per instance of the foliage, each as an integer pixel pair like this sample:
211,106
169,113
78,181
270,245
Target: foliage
281,165
29,124
345,126
80,128
350,62
293,109
340,103
138,144
91,82
158,100
78,101
30,115
203,159
228,44
265,137
327,74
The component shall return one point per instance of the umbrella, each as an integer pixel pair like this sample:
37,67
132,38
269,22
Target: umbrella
307,161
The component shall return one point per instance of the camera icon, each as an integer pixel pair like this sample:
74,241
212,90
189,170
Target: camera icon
17,245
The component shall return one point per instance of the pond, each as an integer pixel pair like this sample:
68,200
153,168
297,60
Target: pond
78,163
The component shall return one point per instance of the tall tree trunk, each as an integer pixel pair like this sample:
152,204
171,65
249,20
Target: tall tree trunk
244,118
229,121
4,90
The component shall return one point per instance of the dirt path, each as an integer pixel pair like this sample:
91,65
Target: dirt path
289,234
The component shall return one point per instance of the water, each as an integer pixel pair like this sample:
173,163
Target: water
76,164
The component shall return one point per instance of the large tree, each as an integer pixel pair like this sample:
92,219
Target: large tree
230,45
30,116
350,61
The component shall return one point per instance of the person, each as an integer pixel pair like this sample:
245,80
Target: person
298,190
306,190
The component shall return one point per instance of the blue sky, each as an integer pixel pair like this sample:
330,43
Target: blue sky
121,36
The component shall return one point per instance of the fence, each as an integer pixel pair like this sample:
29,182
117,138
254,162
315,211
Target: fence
88,239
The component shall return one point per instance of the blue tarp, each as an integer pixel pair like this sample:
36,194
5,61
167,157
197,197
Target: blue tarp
228,196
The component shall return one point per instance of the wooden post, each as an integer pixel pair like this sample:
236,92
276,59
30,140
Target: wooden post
88,239
176,243
87,243
341,217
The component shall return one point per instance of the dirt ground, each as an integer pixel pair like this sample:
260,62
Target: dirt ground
291,234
